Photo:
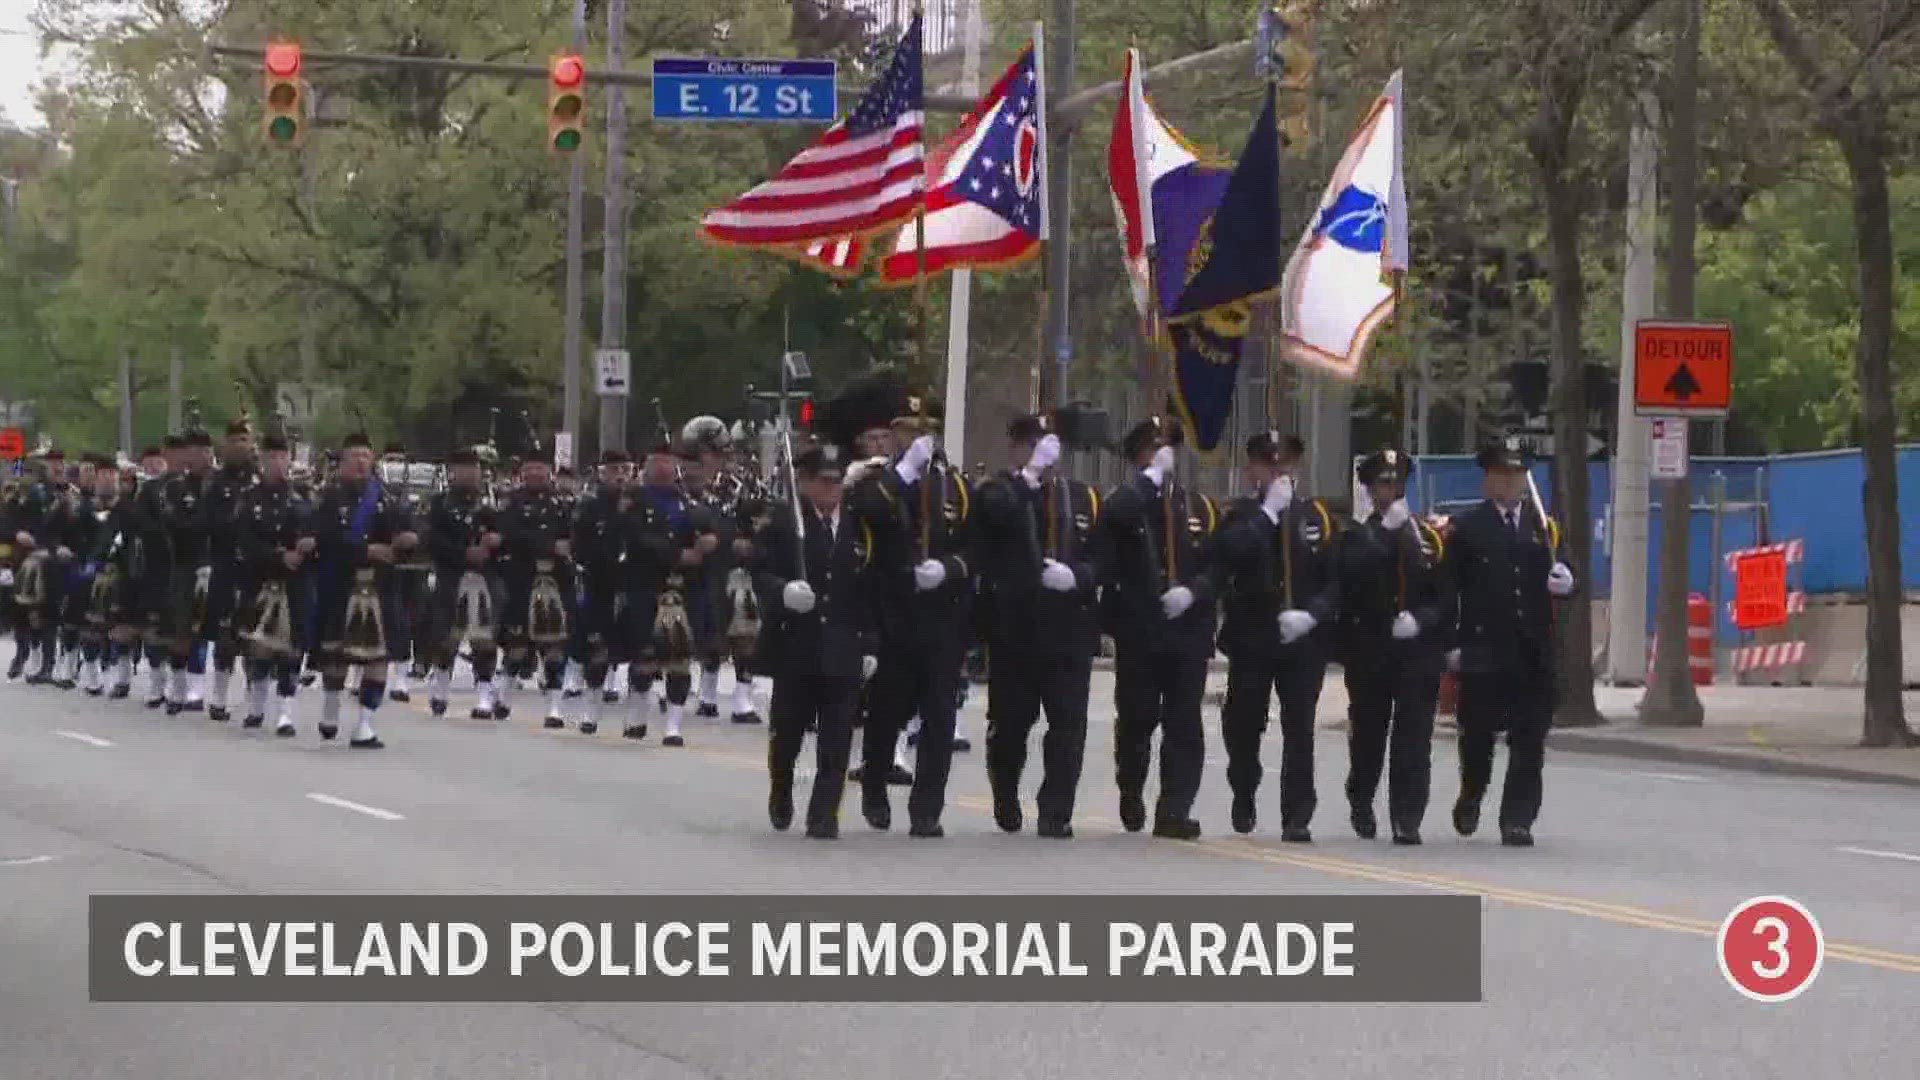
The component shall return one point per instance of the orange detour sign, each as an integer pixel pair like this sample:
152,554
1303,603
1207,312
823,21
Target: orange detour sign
13,444
1760,589
1682,368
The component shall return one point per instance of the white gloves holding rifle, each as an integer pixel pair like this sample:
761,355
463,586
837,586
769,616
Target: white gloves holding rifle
1045,454
1295,625
1278,496
1175,601
1057,576
1161,467
798,597
1560,580
1406,627
913,463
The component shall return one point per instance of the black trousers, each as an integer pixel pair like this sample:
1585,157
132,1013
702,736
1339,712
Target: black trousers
825,703
1295,677
1390,712
903,686
1019,687
1521,703
1159,691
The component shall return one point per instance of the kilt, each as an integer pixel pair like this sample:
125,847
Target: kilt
443,608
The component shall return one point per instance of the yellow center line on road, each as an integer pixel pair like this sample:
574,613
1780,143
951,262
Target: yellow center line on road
1254,851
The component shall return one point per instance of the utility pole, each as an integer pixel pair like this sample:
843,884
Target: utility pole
174,377
126,401
1627,610
960,305
309,318
613,272
1671,700
1059,194
570,349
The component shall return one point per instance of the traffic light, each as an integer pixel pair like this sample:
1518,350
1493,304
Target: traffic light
806,413
284,122
566,103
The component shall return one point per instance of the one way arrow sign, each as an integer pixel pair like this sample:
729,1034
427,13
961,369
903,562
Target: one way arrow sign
613,372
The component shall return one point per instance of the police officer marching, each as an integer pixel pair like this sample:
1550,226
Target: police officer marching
1506,560
1281,593
1035,543
1158,605
1397,608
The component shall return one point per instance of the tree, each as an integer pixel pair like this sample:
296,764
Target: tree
1856,61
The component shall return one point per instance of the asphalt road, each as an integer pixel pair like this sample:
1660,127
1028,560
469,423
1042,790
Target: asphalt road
1599,958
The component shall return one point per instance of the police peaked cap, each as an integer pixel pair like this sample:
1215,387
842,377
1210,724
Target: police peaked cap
1385,465
1271,445
1152,432
1510,452
821,462
1030,428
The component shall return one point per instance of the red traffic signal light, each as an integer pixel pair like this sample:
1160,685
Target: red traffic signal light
284,120
566,103
806,412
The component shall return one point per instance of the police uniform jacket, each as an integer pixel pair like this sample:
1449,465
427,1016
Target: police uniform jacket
221,505
1016,528
844,625
923,520
456,520
1505,613
1257,555
1383,573
530,527
1155,540
596,541
269,521
331,525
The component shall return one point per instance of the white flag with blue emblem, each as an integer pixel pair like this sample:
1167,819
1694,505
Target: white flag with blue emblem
1339,288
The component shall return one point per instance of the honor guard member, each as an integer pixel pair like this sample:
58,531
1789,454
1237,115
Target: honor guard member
680,607
875,446
537,568
1281,593
464,543
358,532
1034,533
225,491
598,541
1158,605
926,589
711,480
1506,560
819,638
276,550
1395,627
184,520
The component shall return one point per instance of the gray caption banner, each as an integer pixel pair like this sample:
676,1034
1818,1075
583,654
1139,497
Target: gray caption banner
785,949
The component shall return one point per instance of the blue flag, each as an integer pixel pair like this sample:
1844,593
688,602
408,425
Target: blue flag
1233,261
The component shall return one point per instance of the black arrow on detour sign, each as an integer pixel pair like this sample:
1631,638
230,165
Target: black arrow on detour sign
1681,384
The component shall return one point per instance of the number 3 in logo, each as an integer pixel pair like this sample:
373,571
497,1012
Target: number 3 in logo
1771,948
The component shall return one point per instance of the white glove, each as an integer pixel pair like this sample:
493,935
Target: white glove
928,575
1031,477
1045,453
1453,660
1175,601
1295,625
1396,515
869,665
1057,576
6,579
1406,627
1560,580
798,596
1279,496
914,462
1161,467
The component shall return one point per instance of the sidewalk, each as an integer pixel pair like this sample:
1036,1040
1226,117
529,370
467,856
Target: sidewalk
1792,731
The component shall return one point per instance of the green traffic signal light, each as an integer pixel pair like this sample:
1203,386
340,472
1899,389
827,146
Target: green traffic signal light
282,129
567,140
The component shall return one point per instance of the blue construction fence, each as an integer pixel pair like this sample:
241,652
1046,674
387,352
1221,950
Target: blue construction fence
1813,498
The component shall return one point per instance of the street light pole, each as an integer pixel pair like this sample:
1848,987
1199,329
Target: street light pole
613,271
1059,180
570,349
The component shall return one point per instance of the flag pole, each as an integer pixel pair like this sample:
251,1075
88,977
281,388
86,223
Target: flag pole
1159,364
1274,65
920,229
1044,152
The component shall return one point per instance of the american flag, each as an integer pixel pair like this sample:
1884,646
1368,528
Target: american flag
867,173
841,258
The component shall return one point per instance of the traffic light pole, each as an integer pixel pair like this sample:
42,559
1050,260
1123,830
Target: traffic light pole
576,289
613,271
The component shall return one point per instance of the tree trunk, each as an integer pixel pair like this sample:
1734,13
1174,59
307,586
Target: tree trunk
1568,404
1865,151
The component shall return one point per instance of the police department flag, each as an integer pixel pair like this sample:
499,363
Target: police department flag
1338,288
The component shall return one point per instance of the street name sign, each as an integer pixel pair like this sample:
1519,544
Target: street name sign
750,91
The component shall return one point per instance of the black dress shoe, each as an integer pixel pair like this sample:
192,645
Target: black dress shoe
553,723
856,774
823,830
634,731
94,691
1177,829
780,805
480,714
1365,825
286,732
1244,814
156,702
218,714
253,721
589,727
1054,828
436,707
373,743
706,710
1296,834
1007,814
898,776
174,707
962,744
120,693
926,829
569,695
1133,811
65,684
673,740
502,712
1516,836
193,706
610,697
328,731
1466,817
1406,835
879,815
748,717
400,696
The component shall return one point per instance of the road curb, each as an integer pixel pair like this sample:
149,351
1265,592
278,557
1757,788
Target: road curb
1586,742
